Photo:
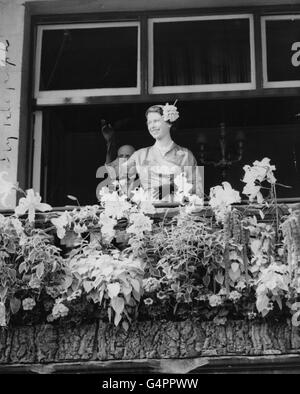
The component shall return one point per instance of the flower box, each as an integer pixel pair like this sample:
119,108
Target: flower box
192,344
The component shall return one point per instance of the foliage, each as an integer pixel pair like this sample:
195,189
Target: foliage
30,266
110,280
117,258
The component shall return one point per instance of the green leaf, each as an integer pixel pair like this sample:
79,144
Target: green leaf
206,280
235,267
135,284
3,293
279,302
126,289
2,315
295,306
219,278
72,197
101,293
40,270
117,319
125,325
234,275
136,295
88,286
262,303
67,281
295,321
23,267
15,305
113,290
109,313
117,304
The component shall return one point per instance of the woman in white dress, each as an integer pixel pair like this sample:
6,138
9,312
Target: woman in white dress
158,165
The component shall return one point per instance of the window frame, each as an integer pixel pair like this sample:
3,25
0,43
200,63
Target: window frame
79,96
204,87
266,83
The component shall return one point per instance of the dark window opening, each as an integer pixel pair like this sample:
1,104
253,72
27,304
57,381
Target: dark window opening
201,52
89,58
73,147
283,58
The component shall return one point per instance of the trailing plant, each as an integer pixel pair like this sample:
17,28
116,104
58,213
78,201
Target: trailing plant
112,281
122,261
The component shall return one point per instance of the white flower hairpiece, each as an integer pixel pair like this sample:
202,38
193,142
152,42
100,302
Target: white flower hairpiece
170,112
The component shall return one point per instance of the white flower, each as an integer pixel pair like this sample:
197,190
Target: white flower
31,203
234,295
148,301
240,285
265,169
103,192
140,223
170,113
147,207
28,304
225,195
80,228
260,171
17,225
194,201
140,195
61,223
183,186
253,191
222,291
215,300
115,205
107,226
221,199
151,284
143,198
87,212
5,188
59,309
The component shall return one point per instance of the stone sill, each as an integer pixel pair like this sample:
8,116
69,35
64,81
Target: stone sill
275,364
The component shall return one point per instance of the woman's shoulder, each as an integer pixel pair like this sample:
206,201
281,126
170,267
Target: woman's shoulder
142,150
140,153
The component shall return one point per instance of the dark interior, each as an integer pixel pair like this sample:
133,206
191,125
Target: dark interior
73,147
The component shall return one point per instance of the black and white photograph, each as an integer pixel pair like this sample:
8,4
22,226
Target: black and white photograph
149,190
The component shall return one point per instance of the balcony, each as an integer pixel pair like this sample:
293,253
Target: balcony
126,285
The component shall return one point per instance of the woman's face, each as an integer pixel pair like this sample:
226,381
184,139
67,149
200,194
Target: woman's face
157,127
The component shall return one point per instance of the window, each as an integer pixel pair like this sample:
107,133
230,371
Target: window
79,60
210,53
281,51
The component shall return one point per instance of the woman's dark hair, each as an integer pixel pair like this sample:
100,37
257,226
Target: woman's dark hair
154,108
159,109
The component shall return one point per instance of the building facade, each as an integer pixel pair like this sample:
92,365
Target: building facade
232,66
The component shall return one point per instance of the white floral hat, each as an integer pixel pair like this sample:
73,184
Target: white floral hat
170,112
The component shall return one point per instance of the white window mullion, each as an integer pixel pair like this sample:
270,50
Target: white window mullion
37,151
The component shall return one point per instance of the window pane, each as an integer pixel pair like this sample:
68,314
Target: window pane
202,52
283,50
89,58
